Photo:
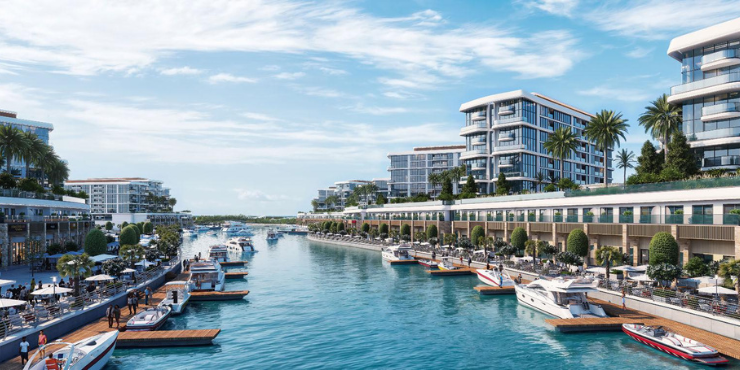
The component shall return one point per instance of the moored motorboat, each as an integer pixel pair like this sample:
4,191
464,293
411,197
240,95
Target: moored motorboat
150,319
240,245
271,235
176,297
560,297
400,252
432,265
447,264
218,252
206,276
495,278
90,353
674,344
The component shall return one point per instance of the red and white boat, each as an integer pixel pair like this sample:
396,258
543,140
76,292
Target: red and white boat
150,319
674,344
432,265
494,278
88,354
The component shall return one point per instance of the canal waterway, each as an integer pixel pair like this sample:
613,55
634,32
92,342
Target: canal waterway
319,306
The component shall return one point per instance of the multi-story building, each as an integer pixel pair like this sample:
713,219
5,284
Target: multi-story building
710,92
410,170
343,189
505,133
321,204
383,188
41,129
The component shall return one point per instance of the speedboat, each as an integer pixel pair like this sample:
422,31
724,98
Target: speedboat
447,264
495,278
560,297
271,235
206,276
189,233
150,319
200,228
90,353
240,245
218,252
176,297
432,265
400,252
674,344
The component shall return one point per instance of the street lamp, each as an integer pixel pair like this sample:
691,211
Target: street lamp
54,289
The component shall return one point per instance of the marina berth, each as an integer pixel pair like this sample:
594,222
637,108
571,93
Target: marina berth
401,252
495,278
560,297
219,253
206,276
447,264
90,353
150,319
177,295
240,245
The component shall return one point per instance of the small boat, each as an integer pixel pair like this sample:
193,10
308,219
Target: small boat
243,232
177,296
150,319
432,265
271,235
240,245
495,278
206,276
674,344
447,264
189,233
90,353
218,252
200,228
560,297
400,252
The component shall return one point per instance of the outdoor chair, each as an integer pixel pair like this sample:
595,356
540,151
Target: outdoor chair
15,321
28,318
705,307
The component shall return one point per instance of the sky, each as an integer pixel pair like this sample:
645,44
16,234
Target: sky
249,107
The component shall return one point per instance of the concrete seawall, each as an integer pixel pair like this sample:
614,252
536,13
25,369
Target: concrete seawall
342,243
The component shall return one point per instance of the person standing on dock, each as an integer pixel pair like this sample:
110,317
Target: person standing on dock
147,294
109,315
135,300
434,255
130,303
470,260
117,315
42,343
23,350
624,303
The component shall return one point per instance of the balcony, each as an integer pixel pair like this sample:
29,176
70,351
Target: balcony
730,132
477,166
504,163
506,136
478,141
476,127
708,86
479,116
507,148
727,160
505,111
720,111
720,59
482,152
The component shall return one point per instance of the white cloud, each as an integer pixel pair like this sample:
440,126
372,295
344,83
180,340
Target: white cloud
658,19
639,52
333,71
114,36
259,117
256,195
401,95
289,76
226,77
320,91
377,111
558,7
180,71
270,68
622,94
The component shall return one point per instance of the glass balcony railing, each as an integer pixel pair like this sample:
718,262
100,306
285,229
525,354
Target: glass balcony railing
626,219
606,219
719,108
715,134
707,82
571,218
727,160
588,218
719,55
664,186
509,147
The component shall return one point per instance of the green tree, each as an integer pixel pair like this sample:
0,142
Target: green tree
530,248
447,189
148,228
172,202
578,242
450,239
56,170
129,235
470,189
560,144
662,120
696,267
625,160
569,258
113,267
605,129
34,148
663,249
132,253
680,156
124,224
71,246
608,256
13,144
54,248
549,188
663,272
383,229
502,186
109,226
567,184
7,181
476,234
432,231
539,178
405,230
340,226
508,250
381,200
729,269
365,227
74,266
518,238
95,243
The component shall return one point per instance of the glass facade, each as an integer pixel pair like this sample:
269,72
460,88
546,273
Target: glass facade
409,172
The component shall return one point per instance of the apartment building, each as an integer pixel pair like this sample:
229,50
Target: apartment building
410,170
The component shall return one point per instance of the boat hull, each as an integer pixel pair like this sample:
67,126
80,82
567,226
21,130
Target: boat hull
646,340
429,264
156,325
491,280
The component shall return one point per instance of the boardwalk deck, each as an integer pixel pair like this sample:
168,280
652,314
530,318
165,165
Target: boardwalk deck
233,263
492,290
460,271
167,338
218,296
404,262
592,324
236,275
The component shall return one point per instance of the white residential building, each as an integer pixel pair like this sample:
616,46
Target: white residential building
410,170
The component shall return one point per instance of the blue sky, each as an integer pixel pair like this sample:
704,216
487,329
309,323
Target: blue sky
250,106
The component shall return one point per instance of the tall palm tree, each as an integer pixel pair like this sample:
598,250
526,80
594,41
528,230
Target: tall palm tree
625,160
43,161
560,144
35,148
12,144
456,173
662,120
368,190
57,172
605,129
75,266
607,256
539,178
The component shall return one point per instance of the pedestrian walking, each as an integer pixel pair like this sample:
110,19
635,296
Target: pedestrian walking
130,303
23,350
117,315
470,260
42,343
109,314
624,303
434,255
147,295
135,299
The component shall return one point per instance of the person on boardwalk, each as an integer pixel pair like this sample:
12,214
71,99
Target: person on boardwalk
147,294
135,298
461,260
130,303
624,303
42,344
51,363
109,314
23,350
434,255
117,315
470,260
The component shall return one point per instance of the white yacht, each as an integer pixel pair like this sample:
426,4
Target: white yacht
271,235
189,233
234,227
560,297
219,253
240,245
200,228
176,297
206,276
447,263
495,278
400,252
90,353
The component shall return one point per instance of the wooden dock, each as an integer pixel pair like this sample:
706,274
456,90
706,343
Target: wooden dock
167,338
585,324
492,290
236,275
218,296
459,271
404,262
233,263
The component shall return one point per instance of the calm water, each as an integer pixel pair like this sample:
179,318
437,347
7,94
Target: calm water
318,306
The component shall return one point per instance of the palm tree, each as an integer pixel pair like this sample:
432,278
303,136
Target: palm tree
43,161
368,190
172,202
12,144
662,120
57,171
35,148
456,173
539,178
625,160
435,178
331,201
132,253
607,255
75,266
729,269
560,144
605,129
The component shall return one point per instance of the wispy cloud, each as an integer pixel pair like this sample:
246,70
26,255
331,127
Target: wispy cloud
257,195
622,94
333,71
226,77
289,75
377,111
320,91
558,7
180,71
259,117
639,52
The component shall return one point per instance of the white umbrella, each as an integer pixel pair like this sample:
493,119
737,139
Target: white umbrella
597,270
716,290
4,283
625,268
640,268
641,277
5,303
128,271
51,290
100,278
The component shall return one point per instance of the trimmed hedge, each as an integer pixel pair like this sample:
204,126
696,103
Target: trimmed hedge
95,243
383,229
476,233
129,235
405,229
518,238
578,242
